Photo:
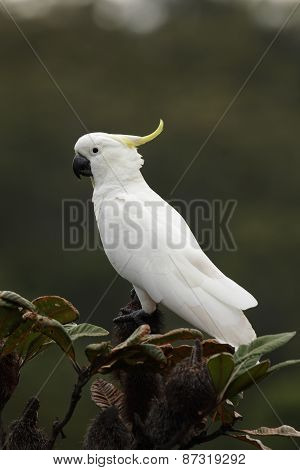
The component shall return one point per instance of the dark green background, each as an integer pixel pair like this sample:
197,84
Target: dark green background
185,72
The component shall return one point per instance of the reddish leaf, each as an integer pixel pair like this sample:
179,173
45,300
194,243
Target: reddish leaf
105,394
244,437
285,431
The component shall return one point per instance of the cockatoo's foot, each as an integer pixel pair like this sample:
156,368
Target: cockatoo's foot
130,317
139,317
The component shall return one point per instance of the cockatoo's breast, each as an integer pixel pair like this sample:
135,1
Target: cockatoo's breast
138,226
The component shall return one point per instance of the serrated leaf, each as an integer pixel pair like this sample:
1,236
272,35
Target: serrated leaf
84,330
54,330
56,307
105,395
262,345
16,300
247,379
284,431
174,335
220,369
281,365
245,438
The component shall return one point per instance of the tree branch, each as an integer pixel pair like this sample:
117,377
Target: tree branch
196,440
58,426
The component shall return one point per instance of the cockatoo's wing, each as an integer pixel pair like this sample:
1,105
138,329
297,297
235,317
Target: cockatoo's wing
158,253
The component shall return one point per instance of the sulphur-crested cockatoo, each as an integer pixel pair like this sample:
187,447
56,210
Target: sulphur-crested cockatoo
149,243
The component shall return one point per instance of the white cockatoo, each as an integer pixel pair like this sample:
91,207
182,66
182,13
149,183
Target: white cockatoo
149,243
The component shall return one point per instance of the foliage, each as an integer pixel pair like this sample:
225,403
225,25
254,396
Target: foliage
192,386
30,327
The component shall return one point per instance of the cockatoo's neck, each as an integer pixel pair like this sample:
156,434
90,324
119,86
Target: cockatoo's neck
117,172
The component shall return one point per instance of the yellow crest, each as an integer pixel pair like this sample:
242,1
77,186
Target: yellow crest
135,141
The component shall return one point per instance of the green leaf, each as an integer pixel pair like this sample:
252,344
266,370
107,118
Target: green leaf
33,345
236,400
98,350
135,338
284,431
17,337
227,414
84,330
57,308
246,365
245,438
4,303
53,307
15,300
54,330
152,352
280,365
21,338
262,345
247,379
10,319
132,356
220,368
105,359
174,335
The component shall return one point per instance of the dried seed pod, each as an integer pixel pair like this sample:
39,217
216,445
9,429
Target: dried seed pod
107,432
188,396
142,439
24,433
158,426
189,389
140,387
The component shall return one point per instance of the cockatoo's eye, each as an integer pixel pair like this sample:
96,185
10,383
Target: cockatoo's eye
95,150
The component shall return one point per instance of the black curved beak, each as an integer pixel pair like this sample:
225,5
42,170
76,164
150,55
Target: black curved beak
81,166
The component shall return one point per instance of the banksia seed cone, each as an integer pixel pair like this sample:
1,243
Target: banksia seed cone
107,432
157,429
189,389
140,387
188,397
24,433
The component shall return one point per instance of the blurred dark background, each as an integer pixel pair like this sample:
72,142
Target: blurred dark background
123,65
